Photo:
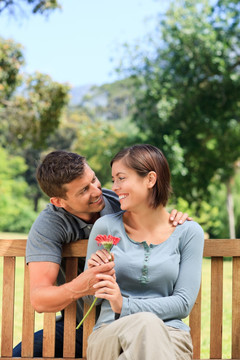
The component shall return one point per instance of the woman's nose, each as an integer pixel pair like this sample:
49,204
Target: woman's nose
114,186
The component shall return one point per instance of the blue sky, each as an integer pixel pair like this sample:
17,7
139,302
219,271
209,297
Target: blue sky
76,44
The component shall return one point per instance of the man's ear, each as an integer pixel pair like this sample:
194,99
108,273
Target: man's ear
152,178
56,201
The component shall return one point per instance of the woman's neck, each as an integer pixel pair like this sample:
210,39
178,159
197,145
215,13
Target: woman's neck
147,217
152,225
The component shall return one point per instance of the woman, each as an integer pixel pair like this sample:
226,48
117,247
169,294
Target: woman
158,266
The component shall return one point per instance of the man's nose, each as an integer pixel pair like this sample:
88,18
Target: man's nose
96,188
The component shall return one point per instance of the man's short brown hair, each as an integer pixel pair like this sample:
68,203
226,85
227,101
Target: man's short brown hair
57,169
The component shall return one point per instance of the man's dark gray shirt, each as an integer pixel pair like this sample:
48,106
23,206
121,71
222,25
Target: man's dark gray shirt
55,227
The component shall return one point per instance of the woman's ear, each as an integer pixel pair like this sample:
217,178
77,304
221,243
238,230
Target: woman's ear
152,178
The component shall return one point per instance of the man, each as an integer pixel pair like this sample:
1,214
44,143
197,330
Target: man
76,202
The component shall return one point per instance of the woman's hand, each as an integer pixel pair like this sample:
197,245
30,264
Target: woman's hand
107,288
99,258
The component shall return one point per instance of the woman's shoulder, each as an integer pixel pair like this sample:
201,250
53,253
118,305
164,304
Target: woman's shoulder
191,237
110,217
191,227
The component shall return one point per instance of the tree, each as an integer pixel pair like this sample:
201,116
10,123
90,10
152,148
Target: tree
11,59
30,105
37,6
15,210
34,117
29,115
188,102
99,141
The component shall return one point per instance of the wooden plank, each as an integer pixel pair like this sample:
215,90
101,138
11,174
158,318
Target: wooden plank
70,312
221,247
28,319
88,326
236,309
75,249
49,330
16,247
216,308
8,305
195,326
212,247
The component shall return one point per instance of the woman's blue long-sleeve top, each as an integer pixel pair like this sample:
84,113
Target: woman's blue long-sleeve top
163,279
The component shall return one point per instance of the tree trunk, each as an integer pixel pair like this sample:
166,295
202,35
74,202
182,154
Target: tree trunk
230,209
35,202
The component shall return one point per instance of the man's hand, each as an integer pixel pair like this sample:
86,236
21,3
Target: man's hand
47,297
177,217
84,284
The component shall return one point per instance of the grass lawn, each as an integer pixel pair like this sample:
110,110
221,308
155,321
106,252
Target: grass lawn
205,303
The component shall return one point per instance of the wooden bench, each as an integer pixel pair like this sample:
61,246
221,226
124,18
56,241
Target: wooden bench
215,249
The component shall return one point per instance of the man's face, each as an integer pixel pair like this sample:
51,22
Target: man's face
83,196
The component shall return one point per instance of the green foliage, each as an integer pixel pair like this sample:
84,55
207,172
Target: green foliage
29,116
37,6
188,87
189,94
34,114
212,215
47,99
15,213
11,59
99,141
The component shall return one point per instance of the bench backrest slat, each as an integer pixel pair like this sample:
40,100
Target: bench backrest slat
236,309
28,319
8,305
48,349
195,326
70,313
216,307
88,326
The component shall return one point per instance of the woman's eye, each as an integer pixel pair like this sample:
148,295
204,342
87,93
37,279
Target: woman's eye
121,178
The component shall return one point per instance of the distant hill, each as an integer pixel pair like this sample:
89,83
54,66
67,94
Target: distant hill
109,101
77,93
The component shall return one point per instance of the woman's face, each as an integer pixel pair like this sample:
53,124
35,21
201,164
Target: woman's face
131,188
